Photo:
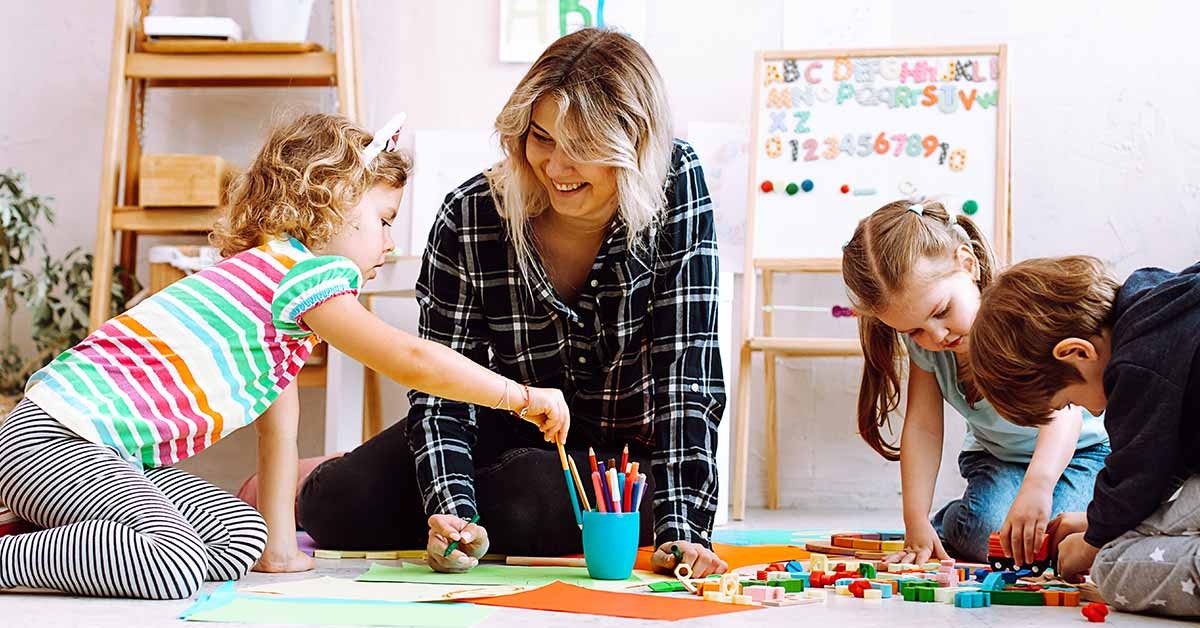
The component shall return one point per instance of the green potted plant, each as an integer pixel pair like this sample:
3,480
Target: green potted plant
55,292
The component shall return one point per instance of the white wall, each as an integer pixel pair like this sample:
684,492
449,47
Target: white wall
1104,145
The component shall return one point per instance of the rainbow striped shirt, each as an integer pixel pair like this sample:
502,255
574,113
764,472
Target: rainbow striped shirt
197,360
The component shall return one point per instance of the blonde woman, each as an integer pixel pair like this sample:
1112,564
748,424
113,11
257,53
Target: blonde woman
585,260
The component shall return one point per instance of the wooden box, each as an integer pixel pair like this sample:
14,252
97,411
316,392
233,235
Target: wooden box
182,180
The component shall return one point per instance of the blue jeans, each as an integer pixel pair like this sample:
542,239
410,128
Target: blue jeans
965,524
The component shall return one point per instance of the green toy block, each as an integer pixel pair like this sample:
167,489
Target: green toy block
910,594
925,594
789,586
667,586
1018,598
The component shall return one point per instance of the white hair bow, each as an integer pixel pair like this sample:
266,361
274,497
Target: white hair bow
386,138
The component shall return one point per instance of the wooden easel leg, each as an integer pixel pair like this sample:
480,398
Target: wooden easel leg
741,429
772,429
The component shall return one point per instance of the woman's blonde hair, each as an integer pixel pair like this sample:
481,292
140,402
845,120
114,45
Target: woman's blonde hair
877,264
307,175
612,110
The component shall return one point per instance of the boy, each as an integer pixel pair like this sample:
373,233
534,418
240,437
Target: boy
1053,332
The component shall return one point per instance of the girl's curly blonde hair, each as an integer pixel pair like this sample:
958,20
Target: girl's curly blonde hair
307,175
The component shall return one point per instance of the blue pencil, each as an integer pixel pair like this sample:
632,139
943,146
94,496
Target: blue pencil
562,455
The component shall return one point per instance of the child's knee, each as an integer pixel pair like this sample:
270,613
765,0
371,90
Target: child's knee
967,531
181,560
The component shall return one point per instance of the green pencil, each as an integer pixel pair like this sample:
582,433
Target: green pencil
454,545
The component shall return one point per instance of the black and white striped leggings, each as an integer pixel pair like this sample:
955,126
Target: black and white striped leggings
111,529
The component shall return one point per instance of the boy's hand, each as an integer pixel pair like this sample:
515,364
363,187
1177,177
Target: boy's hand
1064,525
284,561
445,529
702,560
548,410
921,543
1075,557
1023,528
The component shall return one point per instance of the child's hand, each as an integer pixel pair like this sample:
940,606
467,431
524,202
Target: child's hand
1065,525
445,529
702,560
291,560
1023,528
548,410
1075,557
921,542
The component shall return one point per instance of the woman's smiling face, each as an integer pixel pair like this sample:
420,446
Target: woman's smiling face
576,189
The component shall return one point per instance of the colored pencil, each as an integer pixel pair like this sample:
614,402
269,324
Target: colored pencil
627,491
614,490
454,545
625,459
562,456
592,459
579,484
599,492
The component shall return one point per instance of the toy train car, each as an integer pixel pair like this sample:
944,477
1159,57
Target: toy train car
998,561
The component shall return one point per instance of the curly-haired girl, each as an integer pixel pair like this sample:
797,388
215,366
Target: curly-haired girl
87,454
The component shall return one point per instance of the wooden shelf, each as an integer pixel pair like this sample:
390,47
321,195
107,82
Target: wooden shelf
807,347
306,69
799,265
216,46
165,220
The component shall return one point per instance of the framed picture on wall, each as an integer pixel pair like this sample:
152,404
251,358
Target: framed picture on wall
527,27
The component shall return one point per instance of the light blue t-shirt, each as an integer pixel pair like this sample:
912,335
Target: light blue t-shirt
986,429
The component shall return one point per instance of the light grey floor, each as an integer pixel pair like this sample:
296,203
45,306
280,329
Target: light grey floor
52,611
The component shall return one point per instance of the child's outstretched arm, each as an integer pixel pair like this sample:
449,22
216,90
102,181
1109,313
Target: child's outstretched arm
920,459
428,366
1022,531
278,457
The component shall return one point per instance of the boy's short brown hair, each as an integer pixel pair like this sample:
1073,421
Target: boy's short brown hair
1022,315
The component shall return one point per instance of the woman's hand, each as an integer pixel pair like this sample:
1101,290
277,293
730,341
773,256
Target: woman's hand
472,544
289,560
548,410
702,560
921,543
1023,529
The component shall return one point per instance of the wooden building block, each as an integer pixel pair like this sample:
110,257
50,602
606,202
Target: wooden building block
168,180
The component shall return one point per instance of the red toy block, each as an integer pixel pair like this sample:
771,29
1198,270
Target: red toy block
1095,612
858,586
840,567
761,575
816,579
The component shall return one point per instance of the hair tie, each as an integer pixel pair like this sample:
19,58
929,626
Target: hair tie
386,139
917,209
952,221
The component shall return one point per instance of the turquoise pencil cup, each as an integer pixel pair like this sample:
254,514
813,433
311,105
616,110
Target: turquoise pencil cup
610,542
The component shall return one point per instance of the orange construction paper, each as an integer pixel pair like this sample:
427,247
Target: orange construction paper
568,598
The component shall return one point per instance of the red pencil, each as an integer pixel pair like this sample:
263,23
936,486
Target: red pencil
592,458
600,498
625,460
627,497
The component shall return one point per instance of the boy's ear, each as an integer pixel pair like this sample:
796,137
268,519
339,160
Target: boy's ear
1074,350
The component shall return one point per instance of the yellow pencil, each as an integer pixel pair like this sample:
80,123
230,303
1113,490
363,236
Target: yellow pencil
579,485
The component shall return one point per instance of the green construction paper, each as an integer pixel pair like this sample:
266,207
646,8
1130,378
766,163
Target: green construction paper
483,575
242,609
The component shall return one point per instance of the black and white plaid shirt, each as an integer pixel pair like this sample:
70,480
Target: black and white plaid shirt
636,357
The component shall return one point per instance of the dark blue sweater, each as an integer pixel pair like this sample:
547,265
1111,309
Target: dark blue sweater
1153,386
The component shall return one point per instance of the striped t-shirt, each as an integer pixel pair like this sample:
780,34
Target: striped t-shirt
197,360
